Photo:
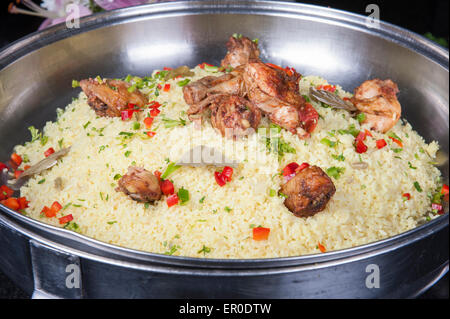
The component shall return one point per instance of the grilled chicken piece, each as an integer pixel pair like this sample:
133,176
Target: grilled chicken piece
308,192
110,97
140,184
377,99
230,83
231,115
240,51
276,93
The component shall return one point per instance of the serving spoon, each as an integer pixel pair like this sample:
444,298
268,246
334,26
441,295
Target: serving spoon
37,168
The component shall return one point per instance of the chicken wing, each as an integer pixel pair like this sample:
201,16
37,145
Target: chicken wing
308,192
240,51
110,97
140,184
377,99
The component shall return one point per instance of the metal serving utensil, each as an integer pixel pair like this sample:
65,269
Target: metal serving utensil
37,168
202,155
331,99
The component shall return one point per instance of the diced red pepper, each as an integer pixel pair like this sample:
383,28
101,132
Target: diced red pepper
17,173
399,143
172,200
407,196
148,121
166,87
167,69
56,207
48,212
167,187
154,112
360,146
444,190
23,203
11,203
290,71
16,159
26,167
368,133
158,176
154,105
381,143
65,219
309,117
346,99
219,179
321,247
437,207
2,166
261,233
328,87
159,86
131,106
5,192
290,169
49,152
127,114
151,134
227,173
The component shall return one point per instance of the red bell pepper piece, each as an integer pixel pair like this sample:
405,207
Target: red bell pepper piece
172,200
5,192
17,173
151,134
16,159
227,173
381,143
166,87
321,247
407,196
49,152
11,203
65,219
158,176
23,203
148,121
260,233
219,179
167,187
309,117
154,112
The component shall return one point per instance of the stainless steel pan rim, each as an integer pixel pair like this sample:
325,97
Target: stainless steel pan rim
68,241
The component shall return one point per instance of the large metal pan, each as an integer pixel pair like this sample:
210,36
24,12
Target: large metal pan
35,78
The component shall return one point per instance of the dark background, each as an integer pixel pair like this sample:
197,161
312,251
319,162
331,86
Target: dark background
422,17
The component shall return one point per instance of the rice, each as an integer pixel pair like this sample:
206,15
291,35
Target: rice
217,221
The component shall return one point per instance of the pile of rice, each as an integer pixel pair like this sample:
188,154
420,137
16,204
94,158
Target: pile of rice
368,204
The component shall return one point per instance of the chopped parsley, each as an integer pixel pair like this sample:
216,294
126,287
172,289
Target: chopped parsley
117,176
417,186
136,126
340,158
183,82
75,83
327,142
410,166
183,195
86,125
168,123
204,250
202,200
335,172
361,117
127,153
228,209
272,192
172,167
112,222
41,181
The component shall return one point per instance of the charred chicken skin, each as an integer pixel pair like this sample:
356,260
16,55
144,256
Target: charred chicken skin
276,93
231,115
140,184
377,99
308,192
109,97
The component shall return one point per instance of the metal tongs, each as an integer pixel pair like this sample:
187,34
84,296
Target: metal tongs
331,99
37,168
